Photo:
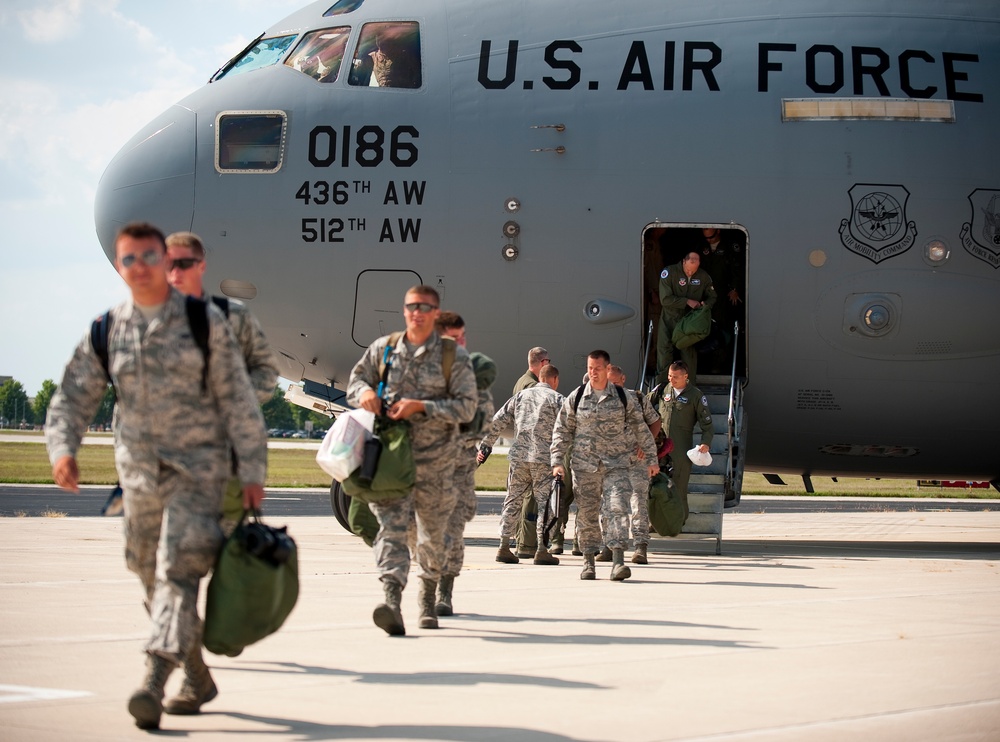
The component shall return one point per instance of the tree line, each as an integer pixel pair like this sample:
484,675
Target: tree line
18,410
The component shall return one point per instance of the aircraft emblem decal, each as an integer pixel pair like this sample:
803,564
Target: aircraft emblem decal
877,228
981,234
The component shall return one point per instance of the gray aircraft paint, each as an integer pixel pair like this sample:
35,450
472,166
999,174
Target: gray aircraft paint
667,114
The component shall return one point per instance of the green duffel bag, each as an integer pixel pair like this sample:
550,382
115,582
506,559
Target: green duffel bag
362,521
395,473
667,511
692,327
253,589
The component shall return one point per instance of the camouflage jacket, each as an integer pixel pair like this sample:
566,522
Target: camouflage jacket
533,412
163,415
598,431
417,374
649,415
261,362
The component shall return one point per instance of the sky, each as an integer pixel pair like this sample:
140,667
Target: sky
78,79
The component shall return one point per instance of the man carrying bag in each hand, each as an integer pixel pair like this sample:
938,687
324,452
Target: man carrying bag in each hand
435,390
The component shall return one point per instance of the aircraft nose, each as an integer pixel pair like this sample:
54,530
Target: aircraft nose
151,179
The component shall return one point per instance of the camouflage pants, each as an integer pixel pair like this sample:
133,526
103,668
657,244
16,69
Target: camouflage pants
606,493
465,510
526,480
172,539
639,476
429,506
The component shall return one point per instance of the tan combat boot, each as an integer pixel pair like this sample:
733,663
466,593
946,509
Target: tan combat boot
504,554
146,704
604,556
542,556
198,687
445,585
639,555
428,612
388,616
589,570
619,571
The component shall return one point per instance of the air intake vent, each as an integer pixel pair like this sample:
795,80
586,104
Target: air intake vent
935,347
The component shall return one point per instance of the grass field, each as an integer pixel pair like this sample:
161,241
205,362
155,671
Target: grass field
27,463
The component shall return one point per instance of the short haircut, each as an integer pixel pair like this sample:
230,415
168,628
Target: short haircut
449,321
537,355
617,370
679,366
141,231
548,372
187,239
423,290
599,354
687,256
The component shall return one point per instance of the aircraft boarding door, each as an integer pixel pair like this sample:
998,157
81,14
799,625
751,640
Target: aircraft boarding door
718,360
378,303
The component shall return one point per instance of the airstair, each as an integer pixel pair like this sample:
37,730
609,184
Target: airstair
714,489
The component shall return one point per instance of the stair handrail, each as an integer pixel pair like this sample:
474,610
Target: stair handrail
731,418
645,358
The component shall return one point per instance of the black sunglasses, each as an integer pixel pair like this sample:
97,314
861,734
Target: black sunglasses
184,263
420,306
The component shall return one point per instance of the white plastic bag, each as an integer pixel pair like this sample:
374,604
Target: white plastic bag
698,458
342,448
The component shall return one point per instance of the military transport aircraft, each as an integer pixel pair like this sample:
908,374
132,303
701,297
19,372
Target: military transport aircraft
541,162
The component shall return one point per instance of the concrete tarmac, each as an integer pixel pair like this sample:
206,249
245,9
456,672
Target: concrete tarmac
810,626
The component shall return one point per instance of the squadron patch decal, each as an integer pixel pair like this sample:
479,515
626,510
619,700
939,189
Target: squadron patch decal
665,273
981,235
877,228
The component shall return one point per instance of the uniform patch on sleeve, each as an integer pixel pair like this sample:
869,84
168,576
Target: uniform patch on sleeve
664,273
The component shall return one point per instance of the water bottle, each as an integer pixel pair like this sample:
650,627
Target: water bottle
369,461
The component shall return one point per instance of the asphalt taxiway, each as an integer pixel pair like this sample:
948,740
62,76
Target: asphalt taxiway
879,625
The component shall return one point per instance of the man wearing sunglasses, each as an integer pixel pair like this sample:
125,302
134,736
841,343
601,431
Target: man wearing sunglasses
185,272
420,386
175,422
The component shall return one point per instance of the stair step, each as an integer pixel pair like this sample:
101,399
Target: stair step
705,503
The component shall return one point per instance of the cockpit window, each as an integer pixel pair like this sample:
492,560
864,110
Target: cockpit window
250,142
262,53
320,53
388,56
344,6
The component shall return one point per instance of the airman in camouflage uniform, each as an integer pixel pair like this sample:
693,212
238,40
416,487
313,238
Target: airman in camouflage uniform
527,542
638,469
186,266
172,446
452,325
533,413
416,390
600,461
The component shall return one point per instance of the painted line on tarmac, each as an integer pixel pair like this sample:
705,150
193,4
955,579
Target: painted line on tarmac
22,693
